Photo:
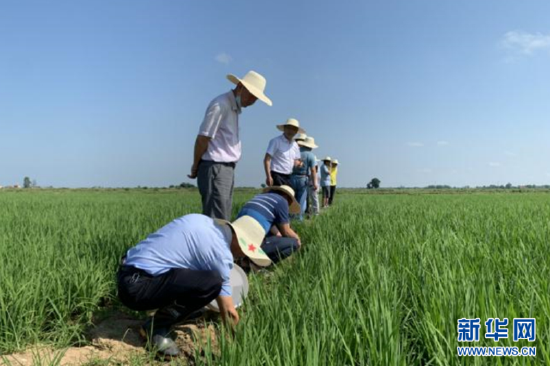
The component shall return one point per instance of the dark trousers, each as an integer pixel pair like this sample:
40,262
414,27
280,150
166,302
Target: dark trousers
215,182
280,179
326,192
278,248
192,290
331,196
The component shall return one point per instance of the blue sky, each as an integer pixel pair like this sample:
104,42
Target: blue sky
111,93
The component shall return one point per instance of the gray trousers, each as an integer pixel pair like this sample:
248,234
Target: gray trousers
216,181
313,195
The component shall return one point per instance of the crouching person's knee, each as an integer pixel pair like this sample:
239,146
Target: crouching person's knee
278,248
129,289
214,284
294,245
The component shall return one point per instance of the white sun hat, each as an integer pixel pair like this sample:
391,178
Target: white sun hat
300,137
327,158
294,207
335,161
254,83
308,142
291,122
250,235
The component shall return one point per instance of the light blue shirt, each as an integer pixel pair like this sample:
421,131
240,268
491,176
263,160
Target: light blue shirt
325,175
193,241
308,160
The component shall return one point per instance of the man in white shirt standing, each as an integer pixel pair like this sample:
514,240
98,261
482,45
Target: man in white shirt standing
218,146
283,154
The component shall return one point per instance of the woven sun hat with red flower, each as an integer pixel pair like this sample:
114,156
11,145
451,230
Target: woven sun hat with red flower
250,235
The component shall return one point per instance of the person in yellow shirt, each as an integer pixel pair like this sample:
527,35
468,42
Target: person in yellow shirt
333,174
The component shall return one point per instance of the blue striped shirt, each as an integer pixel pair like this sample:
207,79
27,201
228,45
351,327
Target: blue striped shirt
268,209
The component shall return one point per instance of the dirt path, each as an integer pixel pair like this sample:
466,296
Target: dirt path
116,340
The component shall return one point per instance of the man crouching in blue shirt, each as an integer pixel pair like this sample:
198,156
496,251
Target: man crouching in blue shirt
184,266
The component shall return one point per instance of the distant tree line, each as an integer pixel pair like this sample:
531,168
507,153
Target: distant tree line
491,186
183,185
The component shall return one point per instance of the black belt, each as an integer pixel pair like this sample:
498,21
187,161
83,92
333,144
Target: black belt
125,270
124,267
284,175
231,164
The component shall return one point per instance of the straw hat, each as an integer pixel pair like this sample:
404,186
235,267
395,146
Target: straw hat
291,122
300,137
327,158
294,206
250,235
254,83
335,162
308,142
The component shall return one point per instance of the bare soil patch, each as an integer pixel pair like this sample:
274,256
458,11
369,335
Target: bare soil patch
116,340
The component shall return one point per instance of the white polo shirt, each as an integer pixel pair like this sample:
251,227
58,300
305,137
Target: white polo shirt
221,124
283,153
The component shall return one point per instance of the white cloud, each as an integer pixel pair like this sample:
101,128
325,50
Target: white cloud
511,154
224,58
442,143
523,43
494,164
415,144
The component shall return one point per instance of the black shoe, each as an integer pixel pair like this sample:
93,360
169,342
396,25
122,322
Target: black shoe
158,339
165,318
180,313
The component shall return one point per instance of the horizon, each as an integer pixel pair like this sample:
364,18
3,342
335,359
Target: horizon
508,185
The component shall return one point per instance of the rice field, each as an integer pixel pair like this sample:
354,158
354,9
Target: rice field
381,280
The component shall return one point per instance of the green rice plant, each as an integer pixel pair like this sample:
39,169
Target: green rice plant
380,280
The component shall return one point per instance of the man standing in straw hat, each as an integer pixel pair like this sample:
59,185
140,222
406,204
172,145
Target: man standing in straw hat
271,209
303,174
282,154
184,266
325,180
218,146
313,192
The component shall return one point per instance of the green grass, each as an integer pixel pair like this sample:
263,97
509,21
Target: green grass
382,279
